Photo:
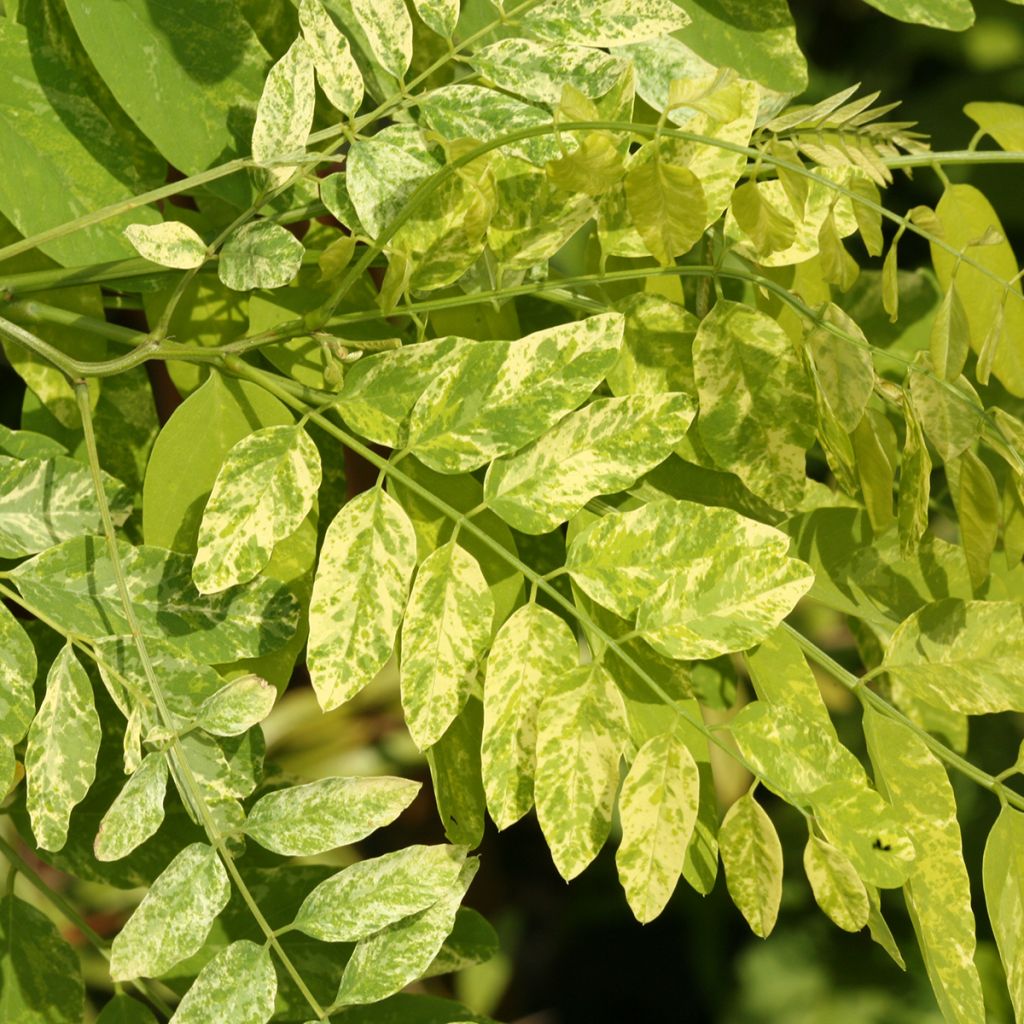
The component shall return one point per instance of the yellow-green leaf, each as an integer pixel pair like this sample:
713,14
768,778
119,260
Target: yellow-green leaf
171,244
239,985
837,887
1003,874
667,205
336,68
137,811
752,857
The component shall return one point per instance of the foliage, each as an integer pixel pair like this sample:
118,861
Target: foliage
597,302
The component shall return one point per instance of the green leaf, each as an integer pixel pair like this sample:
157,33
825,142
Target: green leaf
950,337
40,977
73,584
59,131
600,449
45,501
238,985
171,244
372,894
447,626
1003,874
605,22
265,488
455,772
336,68
533,648
359,595
60,754
761,221
955,15
26,444
388,29
136,813
259,254
581,733
915,484
979,511
843,370
965,655
752,857
440,15
756,406
473,941
503,394
123,1009
658,809
836,885
385,962
284,115
302,821
874,450
17,674
938,893
237,706
667,205
950,412
174,917
966,216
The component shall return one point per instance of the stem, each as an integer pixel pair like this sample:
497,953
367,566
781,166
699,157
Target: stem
183,773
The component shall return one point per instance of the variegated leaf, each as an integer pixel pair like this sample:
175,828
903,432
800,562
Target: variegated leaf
837,887
238,985
1003,873
237,706
658,810
440,15
667,206
938,893
388,960
171,244
302,821
503,394
137,811
757,413
46,501
599,449
260,254
581,733
533,648
965,655
372,894
17,674
359,594
388,29
60,753
606,22
264,490
174,917
284,115
752,857
446,628
336,68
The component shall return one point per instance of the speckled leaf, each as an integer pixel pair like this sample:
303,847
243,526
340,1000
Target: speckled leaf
658,810
336,68
581,733
264,490
605,22
174,917
938,893
171,244
302,821
74,585
359,595
965,655
455,775
757,414
440,15
381,390
284,115
599,449
136,812
260,254
17,674
667,205
372,894
843,369
40,976
60,754
949,411
539,71
388,29
447,626
837,887
237,706
238,985
45,501
533,648
752,857
503,394
1003,873
955,15
388,960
